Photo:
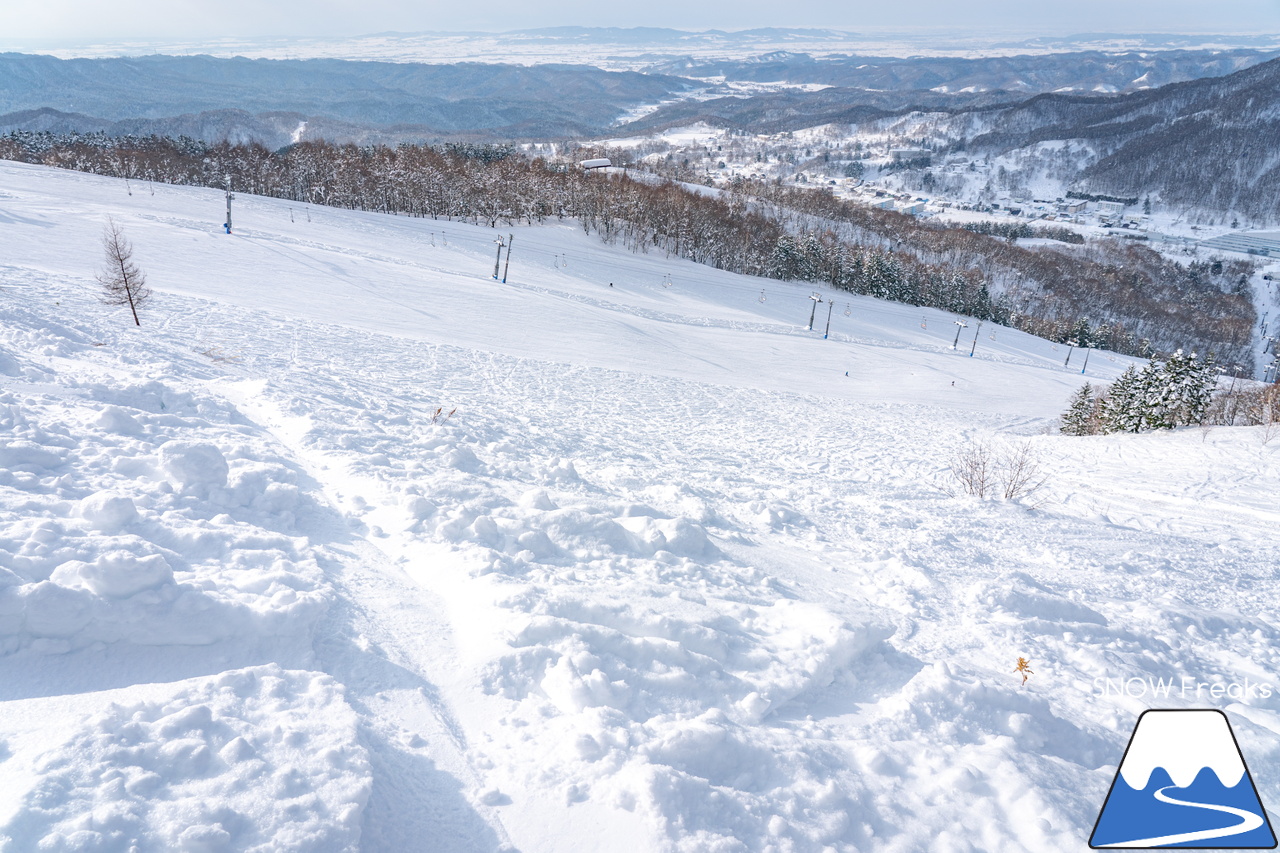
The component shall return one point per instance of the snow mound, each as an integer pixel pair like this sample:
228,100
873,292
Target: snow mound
108,511
193,466
259,759
138,512
116,574
1020,597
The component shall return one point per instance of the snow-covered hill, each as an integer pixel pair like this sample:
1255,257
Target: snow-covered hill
352,547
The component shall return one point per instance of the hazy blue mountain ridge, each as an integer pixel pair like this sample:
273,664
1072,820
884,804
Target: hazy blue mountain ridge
1085,71
466,97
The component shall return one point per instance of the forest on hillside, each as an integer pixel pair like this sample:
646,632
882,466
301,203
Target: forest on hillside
1107,293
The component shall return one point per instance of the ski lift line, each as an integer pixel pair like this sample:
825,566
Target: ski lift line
537,249
697,283
554,259
770,328
763,297
547,253
888,310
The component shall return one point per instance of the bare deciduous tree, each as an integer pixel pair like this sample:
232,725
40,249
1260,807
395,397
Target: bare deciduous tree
1011,471
974,467
123,283
1021,472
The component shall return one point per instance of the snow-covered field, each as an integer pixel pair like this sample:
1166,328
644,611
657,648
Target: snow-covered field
350,547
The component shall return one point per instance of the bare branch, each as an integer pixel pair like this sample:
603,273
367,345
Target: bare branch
123,283
999,470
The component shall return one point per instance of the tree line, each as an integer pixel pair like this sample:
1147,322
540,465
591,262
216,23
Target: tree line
1016,230
1129,298
1076,194
1180,391
1164,395
1132,299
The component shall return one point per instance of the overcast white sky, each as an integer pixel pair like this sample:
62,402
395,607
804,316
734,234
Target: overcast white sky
196,19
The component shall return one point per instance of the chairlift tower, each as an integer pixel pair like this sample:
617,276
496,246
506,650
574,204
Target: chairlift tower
227,224
497,262
960,325
813,312
1234,376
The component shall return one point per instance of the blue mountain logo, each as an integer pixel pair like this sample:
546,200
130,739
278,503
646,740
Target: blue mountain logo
1183,783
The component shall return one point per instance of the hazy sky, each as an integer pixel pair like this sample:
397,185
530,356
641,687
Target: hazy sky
195,19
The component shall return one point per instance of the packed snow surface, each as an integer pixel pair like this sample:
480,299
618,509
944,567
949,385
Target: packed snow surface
352,547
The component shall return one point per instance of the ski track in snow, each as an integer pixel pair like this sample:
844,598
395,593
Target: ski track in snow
666,580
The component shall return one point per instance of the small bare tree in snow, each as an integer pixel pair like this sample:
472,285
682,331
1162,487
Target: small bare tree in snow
1020,472
974,467
123,283
998,470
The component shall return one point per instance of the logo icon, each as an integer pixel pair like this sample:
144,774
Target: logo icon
1183,783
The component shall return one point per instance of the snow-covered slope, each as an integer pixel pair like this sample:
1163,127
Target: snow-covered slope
352,547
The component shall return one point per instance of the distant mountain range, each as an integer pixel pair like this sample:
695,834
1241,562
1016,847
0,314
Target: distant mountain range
464,98
1088,71
279,101
1211,143
863,88
626,48
659,36
776,112
272,129
1208,144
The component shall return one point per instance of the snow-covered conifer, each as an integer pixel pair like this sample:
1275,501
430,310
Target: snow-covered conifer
1124,409
1197,393
1159,391
787,261
1178,392
1082,416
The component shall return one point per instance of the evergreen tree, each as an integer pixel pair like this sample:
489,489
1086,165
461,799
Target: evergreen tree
812,259
852,273
980,304
1201,394
1081,334
1101,337
786,263
1159,391
1176,393
1082,415
1124,408
880,274
1191,382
